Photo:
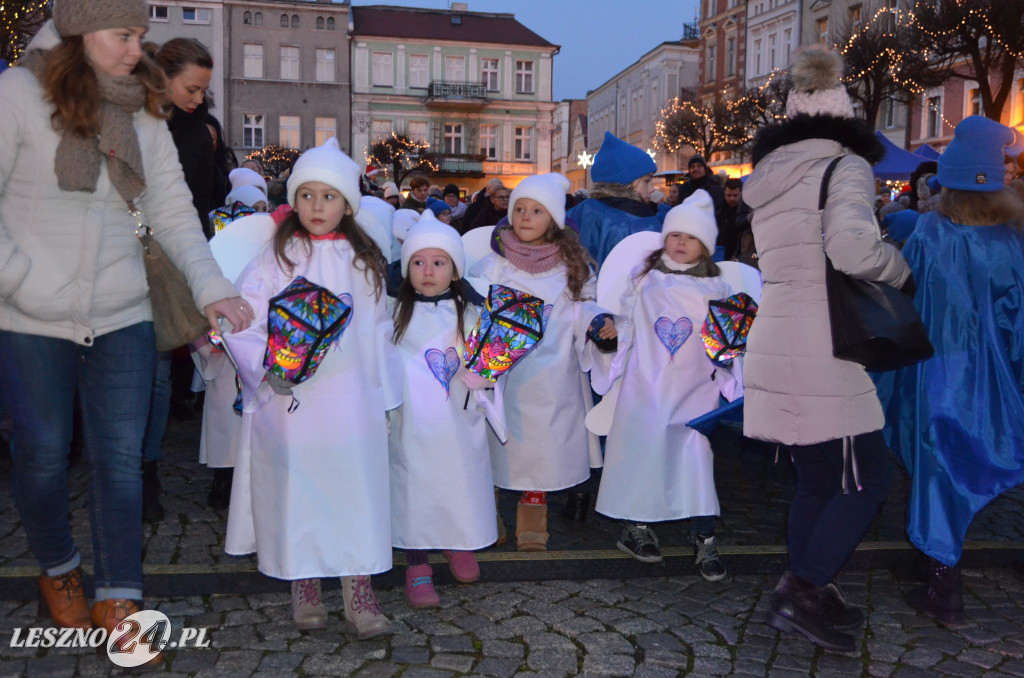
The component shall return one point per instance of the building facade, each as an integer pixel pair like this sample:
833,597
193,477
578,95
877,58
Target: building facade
569,125
773,34
287,74
630,103
476,87
722,48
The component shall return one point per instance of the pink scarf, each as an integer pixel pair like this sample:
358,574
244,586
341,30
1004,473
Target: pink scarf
529,258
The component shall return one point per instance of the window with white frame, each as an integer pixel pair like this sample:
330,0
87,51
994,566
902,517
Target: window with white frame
821,27
757,57
289,63
523,140
889,113
933,116
247,18
973,99
320,23
252,60
295,20
330,23
416,130
324,66
288,125
419,65
252,130
787,37
284,21
489,74
711,62
326,128
383,69
453,138
195,15
489,141
257,19
380,129
772,48
730,56
455,68
157,13
524,77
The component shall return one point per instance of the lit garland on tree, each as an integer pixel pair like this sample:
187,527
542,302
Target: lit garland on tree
398,156
275,159
19,21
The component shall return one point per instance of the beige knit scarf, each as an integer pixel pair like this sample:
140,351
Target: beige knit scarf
79,159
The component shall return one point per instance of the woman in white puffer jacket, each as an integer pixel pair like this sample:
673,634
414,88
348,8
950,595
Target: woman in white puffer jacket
81,137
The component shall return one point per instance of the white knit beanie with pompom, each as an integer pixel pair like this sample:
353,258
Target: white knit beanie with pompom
816,75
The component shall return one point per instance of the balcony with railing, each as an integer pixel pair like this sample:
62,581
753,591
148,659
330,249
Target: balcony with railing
456,94
458,164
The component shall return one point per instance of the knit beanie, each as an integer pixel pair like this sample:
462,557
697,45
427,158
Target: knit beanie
78,17
247,195
817,88
974,161
696,159
328,165
403,220
547,189
437,206
374,217
429,232
620,163
391,190
694,216
243,176
451,189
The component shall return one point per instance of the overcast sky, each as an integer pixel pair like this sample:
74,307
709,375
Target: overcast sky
598,38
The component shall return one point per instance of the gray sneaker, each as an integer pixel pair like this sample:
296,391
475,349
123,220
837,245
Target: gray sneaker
641,543
706,551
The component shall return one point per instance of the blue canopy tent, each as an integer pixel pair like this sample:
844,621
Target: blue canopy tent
898,164
927,152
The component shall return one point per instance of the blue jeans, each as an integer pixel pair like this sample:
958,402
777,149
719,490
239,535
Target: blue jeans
114,379
159,409
825,525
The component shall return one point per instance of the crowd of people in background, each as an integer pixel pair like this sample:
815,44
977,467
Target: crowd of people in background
390,259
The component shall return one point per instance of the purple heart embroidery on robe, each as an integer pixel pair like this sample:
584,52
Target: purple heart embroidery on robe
444,365
673,335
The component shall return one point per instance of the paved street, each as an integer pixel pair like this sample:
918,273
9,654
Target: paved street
621,625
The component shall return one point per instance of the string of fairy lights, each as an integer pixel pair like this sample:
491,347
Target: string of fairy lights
410,151
12,16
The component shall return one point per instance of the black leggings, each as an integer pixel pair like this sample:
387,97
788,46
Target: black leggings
825,525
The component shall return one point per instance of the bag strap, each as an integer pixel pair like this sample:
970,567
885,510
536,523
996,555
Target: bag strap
825,179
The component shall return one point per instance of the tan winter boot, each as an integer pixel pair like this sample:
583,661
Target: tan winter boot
531,527
502,532
308,611
362,613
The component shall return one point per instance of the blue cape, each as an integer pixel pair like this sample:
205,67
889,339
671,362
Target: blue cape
602,226
957,420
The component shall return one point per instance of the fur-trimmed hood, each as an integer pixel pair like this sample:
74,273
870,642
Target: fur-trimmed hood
795,152
854,135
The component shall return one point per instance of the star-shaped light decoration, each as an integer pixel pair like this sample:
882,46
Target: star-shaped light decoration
651,153
585,159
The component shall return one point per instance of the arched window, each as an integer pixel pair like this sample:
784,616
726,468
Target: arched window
330,23
246,17
295,20
319,23
258,19
284,21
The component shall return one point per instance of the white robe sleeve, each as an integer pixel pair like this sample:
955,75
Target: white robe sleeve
389,361
609,368
587,354
249,347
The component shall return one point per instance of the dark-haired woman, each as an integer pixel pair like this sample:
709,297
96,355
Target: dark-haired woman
82,137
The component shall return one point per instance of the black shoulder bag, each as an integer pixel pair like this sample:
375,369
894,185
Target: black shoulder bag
873,324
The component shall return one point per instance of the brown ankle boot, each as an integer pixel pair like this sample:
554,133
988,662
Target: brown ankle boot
532,527
502,532
62,598
111,612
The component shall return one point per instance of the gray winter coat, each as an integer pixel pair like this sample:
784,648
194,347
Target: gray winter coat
796,392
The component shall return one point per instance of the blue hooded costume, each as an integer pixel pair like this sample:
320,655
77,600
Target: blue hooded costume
957,419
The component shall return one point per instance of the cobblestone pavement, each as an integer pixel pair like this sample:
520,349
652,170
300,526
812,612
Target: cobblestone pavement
655,626
650,627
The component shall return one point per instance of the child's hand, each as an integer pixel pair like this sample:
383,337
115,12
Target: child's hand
608,330
474,382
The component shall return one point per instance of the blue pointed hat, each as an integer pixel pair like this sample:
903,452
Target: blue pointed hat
620,163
